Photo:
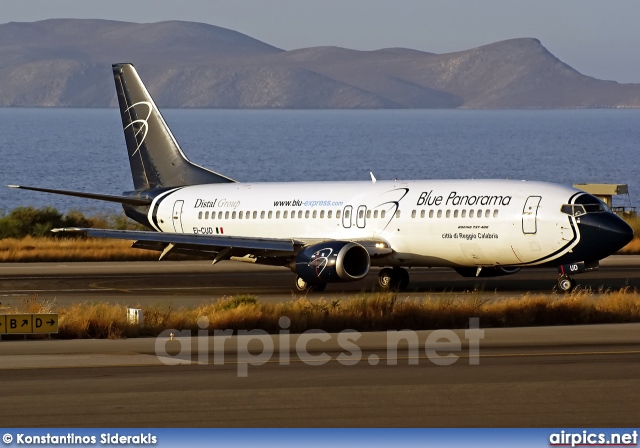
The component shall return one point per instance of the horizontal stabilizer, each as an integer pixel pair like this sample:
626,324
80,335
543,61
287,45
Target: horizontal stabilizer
102,197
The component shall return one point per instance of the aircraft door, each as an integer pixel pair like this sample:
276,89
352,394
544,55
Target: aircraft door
347,216
530,215
177,216
361,217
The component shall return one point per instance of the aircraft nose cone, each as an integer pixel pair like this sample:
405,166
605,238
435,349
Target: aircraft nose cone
602,234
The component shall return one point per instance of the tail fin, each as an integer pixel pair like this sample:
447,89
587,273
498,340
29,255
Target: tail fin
154,154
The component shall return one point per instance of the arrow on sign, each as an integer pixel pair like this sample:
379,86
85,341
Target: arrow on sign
51,322
24,323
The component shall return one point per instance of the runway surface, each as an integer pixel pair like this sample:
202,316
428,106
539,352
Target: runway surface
191,283
553,376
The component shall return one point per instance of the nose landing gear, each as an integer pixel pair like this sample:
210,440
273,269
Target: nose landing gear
565,282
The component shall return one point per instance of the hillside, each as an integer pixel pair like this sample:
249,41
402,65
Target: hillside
66,62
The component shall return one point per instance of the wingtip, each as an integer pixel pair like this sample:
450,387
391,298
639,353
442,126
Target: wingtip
13,186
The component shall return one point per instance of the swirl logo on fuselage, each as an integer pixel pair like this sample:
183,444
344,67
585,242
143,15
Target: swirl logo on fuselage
393,206
142,122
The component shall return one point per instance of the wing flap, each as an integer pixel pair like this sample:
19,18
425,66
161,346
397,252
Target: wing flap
212,242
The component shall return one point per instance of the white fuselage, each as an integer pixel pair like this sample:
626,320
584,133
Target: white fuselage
427,223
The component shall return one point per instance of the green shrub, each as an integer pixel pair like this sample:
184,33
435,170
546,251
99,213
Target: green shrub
38,222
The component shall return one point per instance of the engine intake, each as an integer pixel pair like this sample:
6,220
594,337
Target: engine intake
331,262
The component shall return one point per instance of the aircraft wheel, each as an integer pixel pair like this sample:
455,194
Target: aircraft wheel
396,279
403,279
303,286
385,278
566,284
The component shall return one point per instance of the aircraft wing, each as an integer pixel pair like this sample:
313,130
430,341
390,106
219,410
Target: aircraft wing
216,247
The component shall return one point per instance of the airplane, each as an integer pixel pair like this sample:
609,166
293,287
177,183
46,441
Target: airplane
332,232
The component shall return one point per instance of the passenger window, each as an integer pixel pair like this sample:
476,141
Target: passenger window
347,214
479,214
262,215
463,214
430,213
382,214
321,214
255,215
285,215
226,215
206,215
240,215
219,215
455,213
361,214
375,214
422,213
495,213
368,214
413,214
398,214
315,214
199,215
448,213
329,214
306,214
487,213
270,215
338,214
278,214
439,213
299,214
471,212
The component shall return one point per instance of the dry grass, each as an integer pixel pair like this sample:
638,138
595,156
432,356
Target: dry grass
364,312
31,249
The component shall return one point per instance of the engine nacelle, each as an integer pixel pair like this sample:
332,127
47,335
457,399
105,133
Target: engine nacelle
331,262
496,271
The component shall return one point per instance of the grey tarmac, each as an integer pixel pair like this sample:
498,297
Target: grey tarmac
190,283
548,376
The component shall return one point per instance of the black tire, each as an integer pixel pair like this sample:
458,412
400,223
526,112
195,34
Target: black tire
566,284
303,286
385,279
403,279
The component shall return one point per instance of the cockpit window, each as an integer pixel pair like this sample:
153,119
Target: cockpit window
585,203
573,210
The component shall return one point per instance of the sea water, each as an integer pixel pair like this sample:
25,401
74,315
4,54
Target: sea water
84,149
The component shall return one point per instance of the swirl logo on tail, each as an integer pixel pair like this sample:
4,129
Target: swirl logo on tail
143,122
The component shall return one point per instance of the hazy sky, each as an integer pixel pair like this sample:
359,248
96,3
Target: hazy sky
599,38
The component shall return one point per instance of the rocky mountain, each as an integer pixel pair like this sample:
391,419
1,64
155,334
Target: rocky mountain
66,62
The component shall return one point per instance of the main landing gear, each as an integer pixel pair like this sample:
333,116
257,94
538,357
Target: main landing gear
396,279
303,286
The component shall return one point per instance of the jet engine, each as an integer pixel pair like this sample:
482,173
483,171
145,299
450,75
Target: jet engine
495,271
331,262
